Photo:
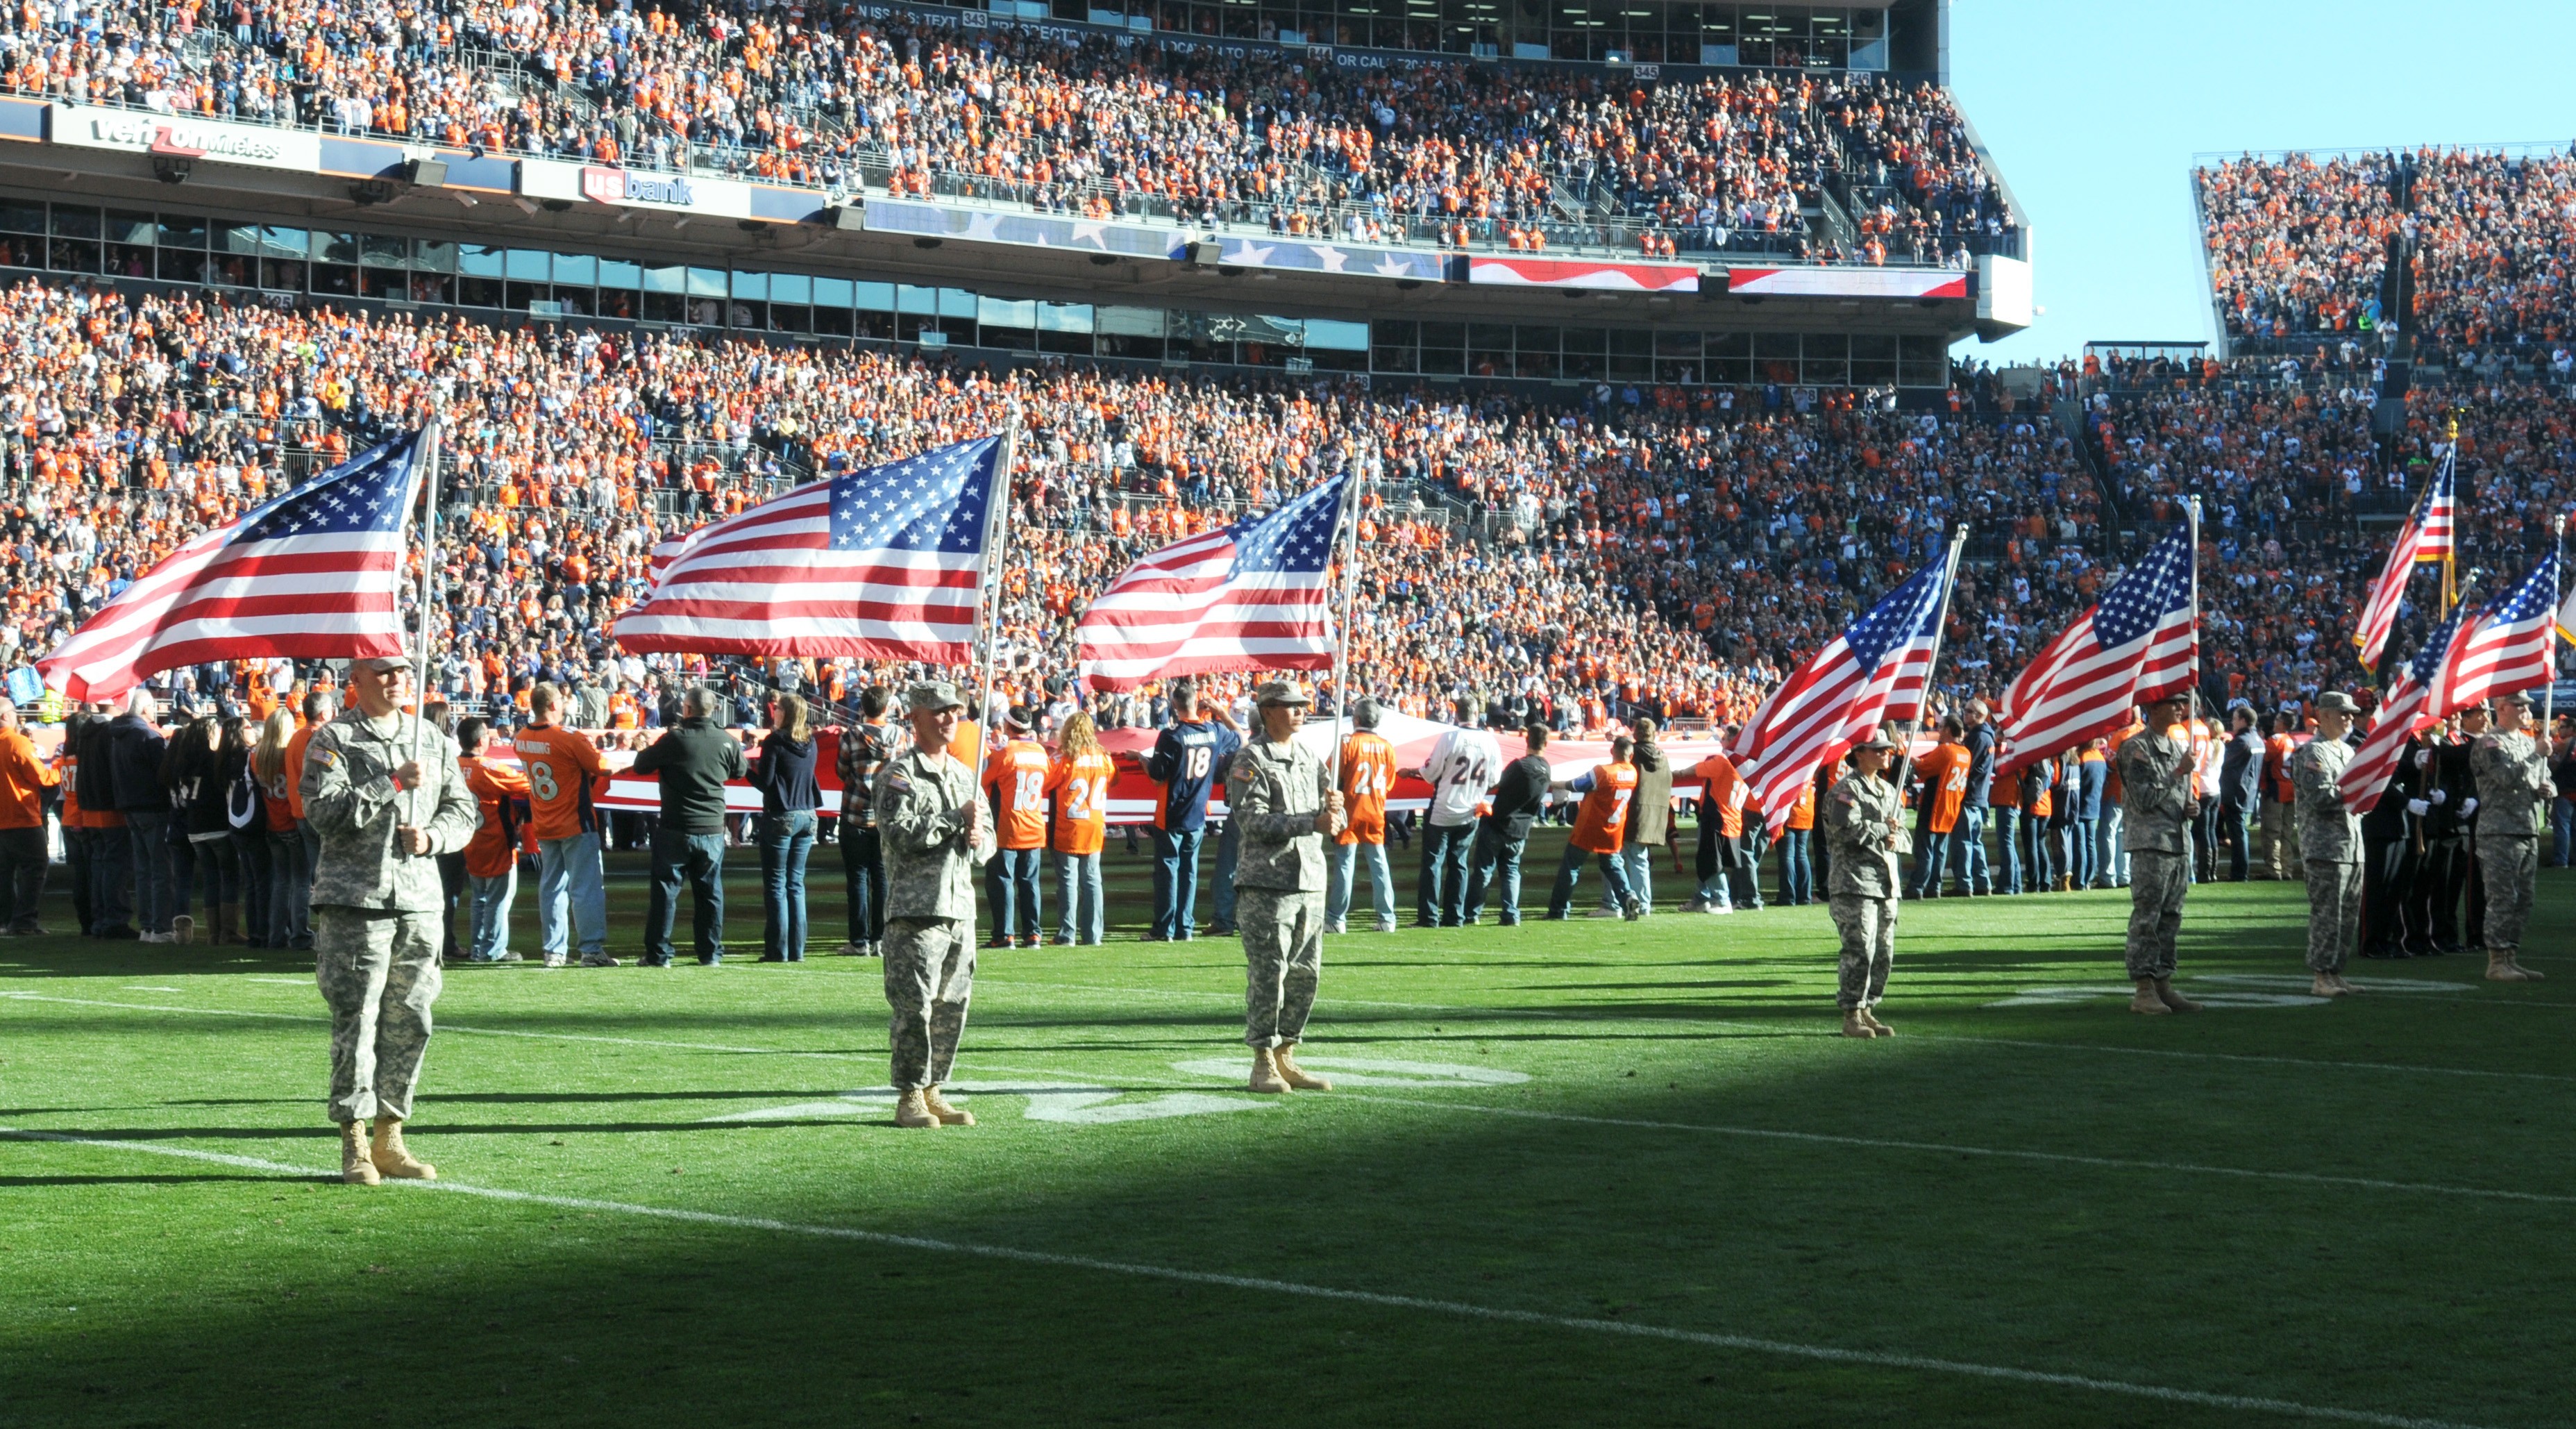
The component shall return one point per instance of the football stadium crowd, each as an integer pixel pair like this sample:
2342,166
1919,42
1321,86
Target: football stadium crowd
1100,124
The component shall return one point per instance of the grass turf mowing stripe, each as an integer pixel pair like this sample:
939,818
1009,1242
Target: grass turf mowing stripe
1875,1359
444,1027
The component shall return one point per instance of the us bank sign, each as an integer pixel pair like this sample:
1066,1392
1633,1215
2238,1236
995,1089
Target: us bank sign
181,137
634,188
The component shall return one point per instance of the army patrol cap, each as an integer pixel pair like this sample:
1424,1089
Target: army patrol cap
1879,742
2338,702
933,695
1279,692
2518,697
381,664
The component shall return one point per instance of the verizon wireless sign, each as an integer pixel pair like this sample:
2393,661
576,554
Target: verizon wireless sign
180,137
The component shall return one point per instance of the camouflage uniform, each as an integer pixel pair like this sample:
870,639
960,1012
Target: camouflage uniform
1862,887
2330,845
2513,800
2157,805
923,805
1274,791
378,913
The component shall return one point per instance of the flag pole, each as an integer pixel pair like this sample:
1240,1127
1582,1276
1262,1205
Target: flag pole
426,453
997,527
1931,667
2557,581
1350,534
2192,514
2450,543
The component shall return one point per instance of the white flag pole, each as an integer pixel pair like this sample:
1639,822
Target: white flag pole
1350,543
997,526
1940,627
425,452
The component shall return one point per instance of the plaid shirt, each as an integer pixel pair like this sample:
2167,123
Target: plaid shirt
864,750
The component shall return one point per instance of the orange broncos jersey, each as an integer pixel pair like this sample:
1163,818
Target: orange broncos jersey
1080,815
1602,821
1368,771
1017,775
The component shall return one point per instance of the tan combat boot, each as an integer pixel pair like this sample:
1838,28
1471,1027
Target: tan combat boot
1265,1071
395,1159
2323,985
2501,967
1294,1075
2514,956
183,930
1857,1025
2344,985
355,1168
2147,1001
1870,1016
912,1109
2166,994
937,1105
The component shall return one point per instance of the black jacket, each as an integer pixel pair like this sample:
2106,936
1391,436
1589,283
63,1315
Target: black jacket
1520,798
785,775
2240,771
134,751
694,759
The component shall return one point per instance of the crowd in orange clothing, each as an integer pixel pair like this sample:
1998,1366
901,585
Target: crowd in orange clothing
1097,124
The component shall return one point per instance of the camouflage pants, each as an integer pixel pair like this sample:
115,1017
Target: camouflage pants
2157,882
929,979
1868,926
2276,848
2511,866
2334,913
379,974
1283,956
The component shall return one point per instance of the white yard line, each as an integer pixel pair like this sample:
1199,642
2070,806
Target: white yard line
6,997
1831,1354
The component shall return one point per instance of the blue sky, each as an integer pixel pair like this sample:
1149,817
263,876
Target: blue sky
2095,110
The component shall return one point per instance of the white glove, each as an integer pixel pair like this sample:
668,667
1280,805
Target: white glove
2423,759
2468,808
2441,796
2418,807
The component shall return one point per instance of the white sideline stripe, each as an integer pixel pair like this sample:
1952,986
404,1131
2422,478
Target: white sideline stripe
443,1027
2246,1057
1828,1353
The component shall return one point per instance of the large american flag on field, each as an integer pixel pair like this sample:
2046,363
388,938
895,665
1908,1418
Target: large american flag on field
2140,643
2426,536
1252,596
1874,672
313,575
885,562
2405,713
2506,646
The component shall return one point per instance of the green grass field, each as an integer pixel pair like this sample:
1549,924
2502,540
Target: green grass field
1584,1173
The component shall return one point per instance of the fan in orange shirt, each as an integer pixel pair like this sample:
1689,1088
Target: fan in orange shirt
1944,776
1015,777
1600,822
563,768
1720,860
1367,773
492,855
1077,788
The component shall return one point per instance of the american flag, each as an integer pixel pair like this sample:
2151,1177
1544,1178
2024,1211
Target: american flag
1251,596
885,562
2506,646
2407,711
2141,642
312,575
2426,536
1873,672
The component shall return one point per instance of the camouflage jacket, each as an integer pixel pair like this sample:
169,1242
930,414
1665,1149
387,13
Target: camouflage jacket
2513,785
350,799
1864,848
1272,794
2157,799
923,804
2328,832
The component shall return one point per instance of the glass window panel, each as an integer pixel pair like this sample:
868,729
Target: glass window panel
1064,317
872,297
433,255
614,274
126,227
1633,344
1728,344
1535,339
22,218
1395,331
666,280
1677,344
754,286
956,303
72,221
706,282
909,299
579,269
1128,322
1330,336
835,292
176,230
790,288
377,251
1001,312
1776,346
335,247
1585,341
280,242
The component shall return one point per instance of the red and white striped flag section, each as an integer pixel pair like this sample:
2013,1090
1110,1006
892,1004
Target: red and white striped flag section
2426,536
312,575
2507,646
885,562
2405,713
2140,643
1875,671
1252,596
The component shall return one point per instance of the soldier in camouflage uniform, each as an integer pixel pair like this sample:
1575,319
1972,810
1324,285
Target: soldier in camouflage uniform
2158,802
2512,805
936,831
1279,794
379,906
1864,825
2330,844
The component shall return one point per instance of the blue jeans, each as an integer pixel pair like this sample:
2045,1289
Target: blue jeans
303,906
863,879
2113,859
110,855
1440,897
1229,852
1570,873
1080,903
1637,863
1176,882
287,872
147,833
1797,872
568,872
2088,853
1968,871
1011,891
700,859
786,841
1497,866
1339,871
2562,831
1929,860
2008,836
490,935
